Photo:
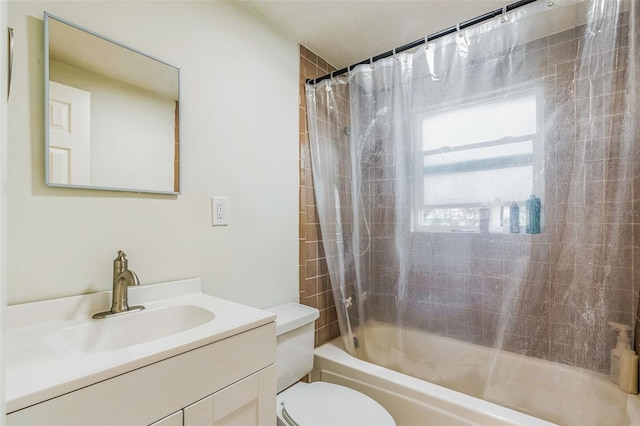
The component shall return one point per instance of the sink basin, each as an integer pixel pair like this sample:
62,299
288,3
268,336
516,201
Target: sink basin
99,335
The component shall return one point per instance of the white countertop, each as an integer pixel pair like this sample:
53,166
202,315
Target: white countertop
38,367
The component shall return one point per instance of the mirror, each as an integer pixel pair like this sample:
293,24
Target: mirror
111,114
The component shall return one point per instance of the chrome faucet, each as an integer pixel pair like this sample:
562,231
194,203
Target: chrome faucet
122,279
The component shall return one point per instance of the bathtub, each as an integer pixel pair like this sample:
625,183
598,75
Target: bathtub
522,390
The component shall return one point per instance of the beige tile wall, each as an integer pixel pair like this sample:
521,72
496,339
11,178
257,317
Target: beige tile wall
315,289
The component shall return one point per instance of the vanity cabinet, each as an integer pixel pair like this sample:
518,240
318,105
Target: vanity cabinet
231,381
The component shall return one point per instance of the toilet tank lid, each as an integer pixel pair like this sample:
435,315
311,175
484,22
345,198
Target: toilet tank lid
292,315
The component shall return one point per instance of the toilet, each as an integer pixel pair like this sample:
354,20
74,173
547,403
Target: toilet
316,403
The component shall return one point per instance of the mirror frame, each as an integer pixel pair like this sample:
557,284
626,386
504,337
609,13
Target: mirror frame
177,175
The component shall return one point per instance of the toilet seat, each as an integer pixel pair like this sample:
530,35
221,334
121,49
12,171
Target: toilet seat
321,403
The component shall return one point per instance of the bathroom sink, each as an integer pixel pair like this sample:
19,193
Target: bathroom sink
99,335
53,347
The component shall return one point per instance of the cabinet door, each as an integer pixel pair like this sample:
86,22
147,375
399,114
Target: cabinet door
199,413
237,404
250,401
267,396
174,419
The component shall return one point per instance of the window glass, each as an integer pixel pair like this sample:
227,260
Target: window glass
481,155
480,122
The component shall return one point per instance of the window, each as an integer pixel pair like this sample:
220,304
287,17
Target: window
476,157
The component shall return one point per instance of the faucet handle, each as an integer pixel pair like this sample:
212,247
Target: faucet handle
120,262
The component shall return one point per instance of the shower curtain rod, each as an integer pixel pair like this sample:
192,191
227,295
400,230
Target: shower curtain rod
429,38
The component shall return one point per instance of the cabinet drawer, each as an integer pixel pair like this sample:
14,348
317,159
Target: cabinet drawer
147,394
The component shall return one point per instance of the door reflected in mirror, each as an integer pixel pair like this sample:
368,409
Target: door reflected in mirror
112,114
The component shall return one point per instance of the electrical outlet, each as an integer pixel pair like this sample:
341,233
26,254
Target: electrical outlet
219,211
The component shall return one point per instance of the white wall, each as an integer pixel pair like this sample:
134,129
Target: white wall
239,130
3,194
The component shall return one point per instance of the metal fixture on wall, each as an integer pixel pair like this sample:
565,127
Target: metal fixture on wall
10,65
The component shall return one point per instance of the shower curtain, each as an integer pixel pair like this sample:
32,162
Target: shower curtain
481,188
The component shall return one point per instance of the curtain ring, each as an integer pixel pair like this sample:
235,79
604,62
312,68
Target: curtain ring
426,42
371,62
504,15
458,30
331,75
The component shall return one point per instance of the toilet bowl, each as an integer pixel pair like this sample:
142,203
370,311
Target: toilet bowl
321,403
316,403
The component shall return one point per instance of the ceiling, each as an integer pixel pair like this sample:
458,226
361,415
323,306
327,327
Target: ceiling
347,32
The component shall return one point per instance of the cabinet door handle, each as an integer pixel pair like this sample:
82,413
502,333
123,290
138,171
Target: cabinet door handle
10,61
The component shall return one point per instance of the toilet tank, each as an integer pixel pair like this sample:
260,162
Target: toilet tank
295,326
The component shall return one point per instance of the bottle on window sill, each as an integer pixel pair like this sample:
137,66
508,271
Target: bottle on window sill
485,215
533,215
514,218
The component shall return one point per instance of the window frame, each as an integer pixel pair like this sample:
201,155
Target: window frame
537,157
